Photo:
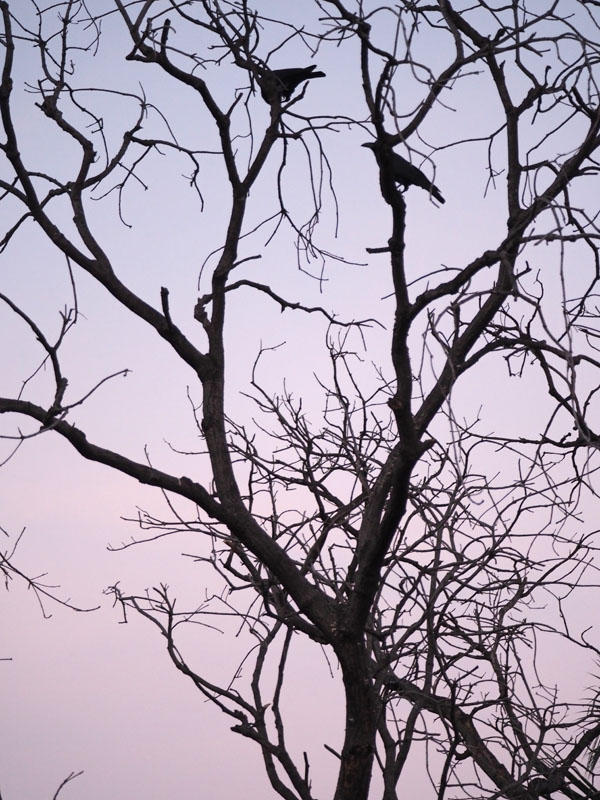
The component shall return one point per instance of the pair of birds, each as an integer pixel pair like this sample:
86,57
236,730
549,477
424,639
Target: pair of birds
279,84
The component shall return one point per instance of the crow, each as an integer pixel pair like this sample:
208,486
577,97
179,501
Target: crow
406,173
281,83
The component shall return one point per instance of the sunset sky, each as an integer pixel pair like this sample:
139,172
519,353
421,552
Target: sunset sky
83,691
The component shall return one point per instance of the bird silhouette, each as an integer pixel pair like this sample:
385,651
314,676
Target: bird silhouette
406,173
281,83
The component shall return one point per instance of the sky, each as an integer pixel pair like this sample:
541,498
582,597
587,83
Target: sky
83,691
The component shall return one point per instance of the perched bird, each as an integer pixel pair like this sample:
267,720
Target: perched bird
407,174
280,83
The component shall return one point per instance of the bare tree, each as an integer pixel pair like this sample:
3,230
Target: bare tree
431,556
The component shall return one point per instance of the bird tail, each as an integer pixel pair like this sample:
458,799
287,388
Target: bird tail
436,193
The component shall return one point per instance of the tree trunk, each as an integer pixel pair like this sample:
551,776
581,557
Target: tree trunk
354,777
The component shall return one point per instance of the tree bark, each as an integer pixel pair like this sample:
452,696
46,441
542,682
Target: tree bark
354,777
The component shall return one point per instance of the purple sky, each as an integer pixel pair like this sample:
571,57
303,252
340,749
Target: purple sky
81,691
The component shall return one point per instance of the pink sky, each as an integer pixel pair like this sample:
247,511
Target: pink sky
81,691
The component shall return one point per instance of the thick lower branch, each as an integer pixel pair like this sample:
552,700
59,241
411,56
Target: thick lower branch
464,726
310,600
